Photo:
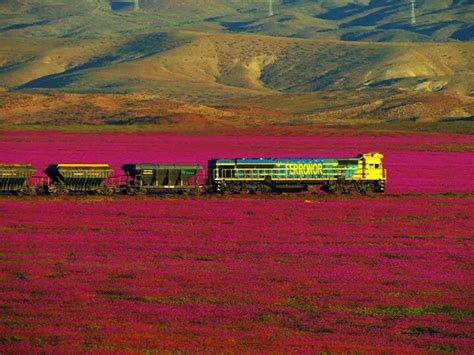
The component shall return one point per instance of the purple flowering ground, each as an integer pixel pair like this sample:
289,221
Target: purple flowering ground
298,273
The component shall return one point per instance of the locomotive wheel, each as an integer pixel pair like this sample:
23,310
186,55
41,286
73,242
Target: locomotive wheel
346,189
325,188
333,188
265,189
20,192
223,190
235,188
359,187
369,189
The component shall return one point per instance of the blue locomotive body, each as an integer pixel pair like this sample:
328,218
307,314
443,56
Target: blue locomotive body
243,175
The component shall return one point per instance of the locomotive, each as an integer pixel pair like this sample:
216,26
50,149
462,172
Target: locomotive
363,173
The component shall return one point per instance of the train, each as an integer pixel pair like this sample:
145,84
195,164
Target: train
363,173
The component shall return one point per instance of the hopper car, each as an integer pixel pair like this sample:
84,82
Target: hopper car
161,178
69,178
14,178
364,173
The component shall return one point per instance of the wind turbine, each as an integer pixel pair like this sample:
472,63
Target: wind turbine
270,8
413,12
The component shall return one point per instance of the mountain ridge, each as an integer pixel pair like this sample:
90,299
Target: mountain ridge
215,52
368,20
157,62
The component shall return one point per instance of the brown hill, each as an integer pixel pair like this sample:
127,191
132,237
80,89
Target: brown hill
291,67
207,68
372,109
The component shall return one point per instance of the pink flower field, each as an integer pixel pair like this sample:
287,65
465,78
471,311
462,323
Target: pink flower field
287,273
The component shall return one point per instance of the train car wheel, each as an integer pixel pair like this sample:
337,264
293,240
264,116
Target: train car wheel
141,191
62,190
105,191
50,189
195,192
31,191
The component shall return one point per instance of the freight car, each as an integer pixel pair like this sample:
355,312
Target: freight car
78,178
14,177
364,173
161,178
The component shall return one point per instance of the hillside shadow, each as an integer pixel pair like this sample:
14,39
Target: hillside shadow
138,48
122,5
20,26
465,34
240,26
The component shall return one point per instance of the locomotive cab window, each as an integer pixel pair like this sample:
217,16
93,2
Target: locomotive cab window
377,166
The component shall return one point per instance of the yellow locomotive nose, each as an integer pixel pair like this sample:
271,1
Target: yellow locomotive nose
373,168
